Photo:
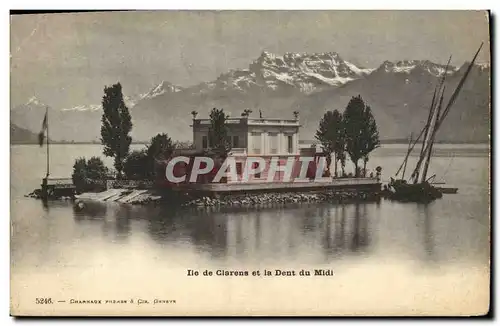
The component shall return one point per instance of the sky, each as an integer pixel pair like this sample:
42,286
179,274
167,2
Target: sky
66,59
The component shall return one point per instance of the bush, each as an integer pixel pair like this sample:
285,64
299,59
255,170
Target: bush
89,175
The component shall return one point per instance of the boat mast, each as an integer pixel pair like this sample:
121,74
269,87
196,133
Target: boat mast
48,157
415,173
433,136
458,89
407,155
441,117
432,120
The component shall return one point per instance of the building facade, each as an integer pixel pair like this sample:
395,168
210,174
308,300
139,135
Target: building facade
250,136
267,139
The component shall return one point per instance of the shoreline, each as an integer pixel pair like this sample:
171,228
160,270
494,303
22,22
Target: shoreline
177,200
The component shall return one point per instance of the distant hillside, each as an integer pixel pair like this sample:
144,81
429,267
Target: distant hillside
20,135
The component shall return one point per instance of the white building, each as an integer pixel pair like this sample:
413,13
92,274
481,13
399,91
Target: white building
254,136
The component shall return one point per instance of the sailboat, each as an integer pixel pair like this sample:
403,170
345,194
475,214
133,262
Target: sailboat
419,188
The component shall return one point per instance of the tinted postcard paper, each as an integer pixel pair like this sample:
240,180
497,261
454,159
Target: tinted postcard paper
250,163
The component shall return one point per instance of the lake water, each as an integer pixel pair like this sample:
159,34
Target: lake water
387,257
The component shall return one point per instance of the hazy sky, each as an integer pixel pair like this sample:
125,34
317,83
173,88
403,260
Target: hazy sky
66,59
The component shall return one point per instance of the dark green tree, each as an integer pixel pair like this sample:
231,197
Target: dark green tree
116,126
89,175
326,136
96,170
161,147
354,121
137,165
218,133
79,175
330,135
370,136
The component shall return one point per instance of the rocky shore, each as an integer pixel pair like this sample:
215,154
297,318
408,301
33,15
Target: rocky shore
280,198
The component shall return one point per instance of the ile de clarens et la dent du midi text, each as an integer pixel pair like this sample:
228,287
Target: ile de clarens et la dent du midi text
265,272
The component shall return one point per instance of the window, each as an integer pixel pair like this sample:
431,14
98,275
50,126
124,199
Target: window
256,142
236,141
205,142
273,143
290,144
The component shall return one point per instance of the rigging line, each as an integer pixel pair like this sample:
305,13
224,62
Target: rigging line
448,168
413,146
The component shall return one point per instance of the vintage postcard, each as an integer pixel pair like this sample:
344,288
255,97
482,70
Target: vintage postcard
250,163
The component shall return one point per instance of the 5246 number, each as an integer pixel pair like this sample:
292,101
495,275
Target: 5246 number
43,300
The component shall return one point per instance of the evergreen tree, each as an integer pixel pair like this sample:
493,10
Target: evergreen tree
340,150
360,130
330,135
370,136
218,133
116,126
354,122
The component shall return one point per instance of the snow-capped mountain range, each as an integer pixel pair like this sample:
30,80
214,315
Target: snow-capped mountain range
277,84
305,72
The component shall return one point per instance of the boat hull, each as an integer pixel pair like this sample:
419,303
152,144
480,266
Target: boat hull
419,192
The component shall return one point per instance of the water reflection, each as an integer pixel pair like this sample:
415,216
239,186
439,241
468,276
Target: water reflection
240,233
360,239
428,234
91,211
123,214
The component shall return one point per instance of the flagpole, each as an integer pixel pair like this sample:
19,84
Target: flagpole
48,161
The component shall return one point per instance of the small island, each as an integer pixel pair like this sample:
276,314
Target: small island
266,165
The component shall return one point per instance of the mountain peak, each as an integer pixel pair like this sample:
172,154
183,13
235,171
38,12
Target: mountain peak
34,101
161,88
411,66
309,72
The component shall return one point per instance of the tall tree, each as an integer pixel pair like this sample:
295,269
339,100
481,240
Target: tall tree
354,122
218,133
340,151
330,135
116,126
370,136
